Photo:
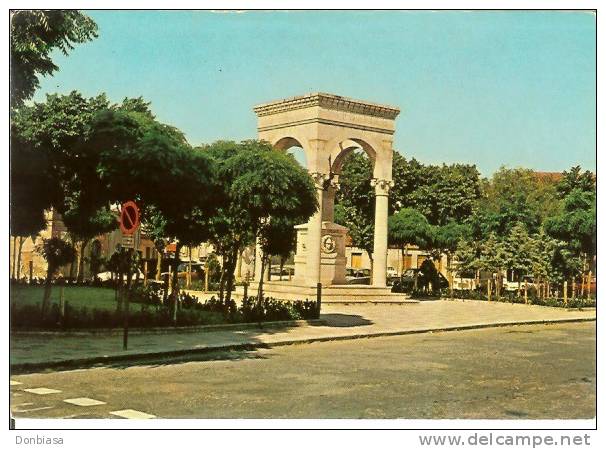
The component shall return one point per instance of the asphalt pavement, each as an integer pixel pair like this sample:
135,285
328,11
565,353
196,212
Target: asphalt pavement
531,372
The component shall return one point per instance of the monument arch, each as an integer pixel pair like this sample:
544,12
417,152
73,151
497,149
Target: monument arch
329,128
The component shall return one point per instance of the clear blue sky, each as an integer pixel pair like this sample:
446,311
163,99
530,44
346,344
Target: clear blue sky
490,88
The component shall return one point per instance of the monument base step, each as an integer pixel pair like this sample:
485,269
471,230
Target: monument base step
332,294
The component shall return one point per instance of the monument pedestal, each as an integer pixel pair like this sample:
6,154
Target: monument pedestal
333,260
332,294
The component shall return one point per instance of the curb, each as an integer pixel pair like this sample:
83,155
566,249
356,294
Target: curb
90,361
170,330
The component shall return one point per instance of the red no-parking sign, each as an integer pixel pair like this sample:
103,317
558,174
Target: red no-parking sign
129,218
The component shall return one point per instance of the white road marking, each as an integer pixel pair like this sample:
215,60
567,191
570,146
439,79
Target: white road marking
84,402
14,382
42,390
32,409
23,403
132,414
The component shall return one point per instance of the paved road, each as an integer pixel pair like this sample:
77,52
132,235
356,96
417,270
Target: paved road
539,371
340,321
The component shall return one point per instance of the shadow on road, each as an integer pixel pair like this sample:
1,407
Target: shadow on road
343,320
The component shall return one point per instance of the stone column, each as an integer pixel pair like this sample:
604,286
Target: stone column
379,272
314,234
328,201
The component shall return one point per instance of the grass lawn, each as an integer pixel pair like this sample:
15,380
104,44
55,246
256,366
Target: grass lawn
76,296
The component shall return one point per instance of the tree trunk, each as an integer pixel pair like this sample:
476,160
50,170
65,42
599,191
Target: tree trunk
260,288
80,276
239,269
19,258
223,277
119,291
13,268
158,264
72,269
175,282
402,263
47,290
281,266
189,268
233,258
489,288
449,275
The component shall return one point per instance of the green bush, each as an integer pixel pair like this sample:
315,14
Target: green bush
532,299
151,314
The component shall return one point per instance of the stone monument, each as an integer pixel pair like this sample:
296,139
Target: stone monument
329,128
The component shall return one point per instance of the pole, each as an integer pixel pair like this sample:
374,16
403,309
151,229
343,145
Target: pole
31,271
245,296
126,300
62,301
319,297
206,276
145,273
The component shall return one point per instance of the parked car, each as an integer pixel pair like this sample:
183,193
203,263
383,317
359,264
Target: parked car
197,270
406,282
392,272
107,276
284,273
357,276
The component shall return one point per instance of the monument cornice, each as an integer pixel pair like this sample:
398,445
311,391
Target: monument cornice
326,122
327,101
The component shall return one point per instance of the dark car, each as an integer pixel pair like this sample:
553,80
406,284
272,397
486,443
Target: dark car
357,276
406,282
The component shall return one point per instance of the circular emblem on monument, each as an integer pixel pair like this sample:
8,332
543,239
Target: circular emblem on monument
328,244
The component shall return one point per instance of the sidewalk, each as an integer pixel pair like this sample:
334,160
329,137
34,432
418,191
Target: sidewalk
340,322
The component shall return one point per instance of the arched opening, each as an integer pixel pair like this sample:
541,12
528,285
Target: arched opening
354,207
293,147
281,268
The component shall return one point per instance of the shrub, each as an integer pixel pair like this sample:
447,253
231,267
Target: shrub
152,314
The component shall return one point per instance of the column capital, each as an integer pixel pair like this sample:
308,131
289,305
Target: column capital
381,186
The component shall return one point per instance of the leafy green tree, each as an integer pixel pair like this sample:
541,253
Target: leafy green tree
280,238
467,257
577,223
269,186
84,225
493,259
34,35
574,179
542,251
445,240
514,196
57,253
409,227
355,202
441,193
258,190
519,249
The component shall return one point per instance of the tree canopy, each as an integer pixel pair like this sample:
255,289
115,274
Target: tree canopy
33,37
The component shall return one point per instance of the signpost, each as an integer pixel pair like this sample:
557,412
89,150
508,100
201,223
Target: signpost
129,223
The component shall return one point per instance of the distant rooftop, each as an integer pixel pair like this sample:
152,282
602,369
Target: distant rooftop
328,101
548,175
